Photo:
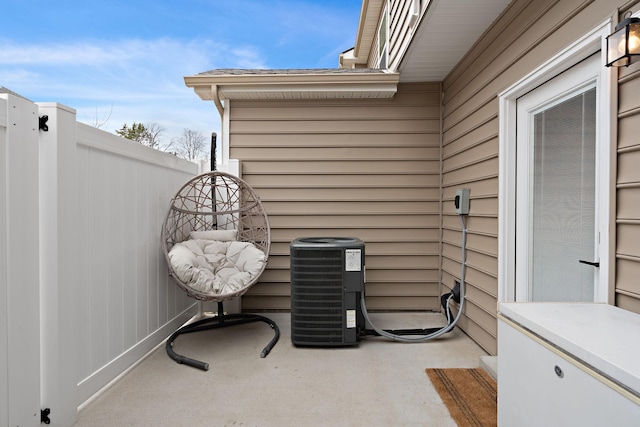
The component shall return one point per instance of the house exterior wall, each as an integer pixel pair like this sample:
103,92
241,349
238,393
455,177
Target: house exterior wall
367,168
400,30
627,267
387,170
527,34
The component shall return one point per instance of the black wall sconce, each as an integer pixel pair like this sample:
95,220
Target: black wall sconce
623,46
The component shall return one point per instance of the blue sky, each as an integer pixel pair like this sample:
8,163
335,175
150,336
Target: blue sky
125,60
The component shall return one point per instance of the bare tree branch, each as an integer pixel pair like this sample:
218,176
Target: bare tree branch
191,145
99,123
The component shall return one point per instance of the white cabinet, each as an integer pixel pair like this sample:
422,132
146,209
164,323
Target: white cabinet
568,365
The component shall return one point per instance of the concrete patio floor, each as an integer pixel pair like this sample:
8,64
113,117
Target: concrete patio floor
377,383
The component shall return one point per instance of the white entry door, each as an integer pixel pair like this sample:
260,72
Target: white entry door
557,250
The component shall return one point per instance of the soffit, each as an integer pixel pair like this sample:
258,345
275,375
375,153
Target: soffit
446,32
293,84
367,28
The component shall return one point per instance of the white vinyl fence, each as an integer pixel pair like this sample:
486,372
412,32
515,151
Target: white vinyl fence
19,267
102,297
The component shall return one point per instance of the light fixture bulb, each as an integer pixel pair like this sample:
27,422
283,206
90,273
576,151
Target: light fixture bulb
621,46
634,42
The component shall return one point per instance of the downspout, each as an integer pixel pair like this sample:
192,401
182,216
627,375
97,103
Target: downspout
216,100
224,140
441,183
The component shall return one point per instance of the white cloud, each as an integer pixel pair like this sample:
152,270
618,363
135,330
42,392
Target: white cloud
51,54
91,66
20,76
247,57
96,53
126,80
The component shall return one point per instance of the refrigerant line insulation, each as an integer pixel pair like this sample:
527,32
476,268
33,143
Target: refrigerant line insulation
409,336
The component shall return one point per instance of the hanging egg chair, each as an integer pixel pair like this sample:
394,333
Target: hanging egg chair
216,239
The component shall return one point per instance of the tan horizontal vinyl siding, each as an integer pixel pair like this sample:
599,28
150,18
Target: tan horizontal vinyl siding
527,33
361,168
627,286
399,31
399,34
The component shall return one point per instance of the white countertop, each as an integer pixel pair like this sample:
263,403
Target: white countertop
601,335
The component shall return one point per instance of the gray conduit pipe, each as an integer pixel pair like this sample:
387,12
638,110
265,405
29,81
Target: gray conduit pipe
446,328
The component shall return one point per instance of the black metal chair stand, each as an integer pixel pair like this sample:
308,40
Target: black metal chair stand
220,321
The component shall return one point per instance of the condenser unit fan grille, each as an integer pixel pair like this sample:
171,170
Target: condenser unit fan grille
327,281
317,297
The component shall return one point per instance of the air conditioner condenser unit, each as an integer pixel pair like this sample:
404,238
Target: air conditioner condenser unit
327,281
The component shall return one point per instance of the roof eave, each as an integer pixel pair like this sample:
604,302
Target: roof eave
294,86
367,29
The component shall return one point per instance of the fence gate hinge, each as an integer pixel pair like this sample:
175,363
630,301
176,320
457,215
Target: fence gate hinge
44,414
42,122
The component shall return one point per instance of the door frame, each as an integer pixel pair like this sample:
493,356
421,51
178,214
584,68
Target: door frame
584,47
576,81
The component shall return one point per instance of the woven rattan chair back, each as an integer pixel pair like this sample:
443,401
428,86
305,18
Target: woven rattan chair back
215,201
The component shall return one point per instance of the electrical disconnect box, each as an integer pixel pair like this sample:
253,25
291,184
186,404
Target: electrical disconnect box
462,201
